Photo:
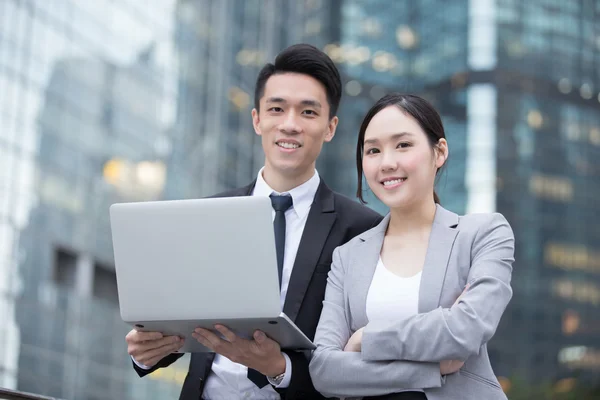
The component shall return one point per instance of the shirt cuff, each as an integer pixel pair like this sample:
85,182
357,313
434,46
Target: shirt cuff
287,374
142,366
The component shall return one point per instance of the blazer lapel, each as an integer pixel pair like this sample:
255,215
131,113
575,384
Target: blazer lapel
442,237
362,270
243,191
321,218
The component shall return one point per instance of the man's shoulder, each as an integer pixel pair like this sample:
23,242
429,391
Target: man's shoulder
354,211
241,191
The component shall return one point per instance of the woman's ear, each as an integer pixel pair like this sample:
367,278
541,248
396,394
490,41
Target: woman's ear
441,153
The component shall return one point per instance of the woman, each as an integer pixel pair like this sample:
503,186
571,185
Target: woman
411,303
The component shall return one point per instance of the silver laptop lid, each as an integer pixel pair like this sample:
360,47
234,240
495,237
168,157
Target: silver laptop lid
196,259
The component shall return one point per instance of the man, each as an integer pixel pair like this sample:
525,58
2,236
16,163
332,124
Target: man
296,100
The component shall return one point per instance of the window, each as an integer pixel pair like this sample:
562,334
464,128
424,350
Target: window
105,283
65,268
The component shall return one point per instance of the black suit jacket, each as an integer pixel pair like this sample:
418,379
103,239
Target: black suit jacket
332,221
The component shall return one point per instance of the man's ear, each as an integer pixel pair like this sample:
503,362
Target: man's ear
256,121
331,128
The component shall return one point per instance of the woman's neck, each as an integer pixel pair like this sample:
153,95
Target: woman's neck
418,218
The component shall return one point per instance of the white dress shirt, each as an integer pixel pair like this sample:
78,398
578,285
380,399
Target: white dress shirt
228,380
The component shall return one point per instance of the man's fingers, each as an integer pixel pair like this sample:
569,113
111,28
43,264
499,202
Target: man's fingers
145,336
210,340
158,353
229,335
137,337
213,339
139,348
260,337
203,341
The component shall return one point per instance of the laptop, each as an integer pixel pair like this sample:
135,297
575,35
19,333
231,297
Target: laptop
185,264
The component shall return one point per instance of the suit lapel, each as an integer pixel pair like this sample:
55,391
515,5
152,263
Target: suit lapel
243,191
441,240
363,268
321,218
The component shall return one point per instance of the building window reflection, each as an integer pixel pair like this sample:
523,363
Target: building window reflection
552,188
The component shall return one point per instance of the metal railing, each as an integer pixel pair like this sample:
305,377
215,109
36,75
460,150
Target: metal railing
72,348
7,394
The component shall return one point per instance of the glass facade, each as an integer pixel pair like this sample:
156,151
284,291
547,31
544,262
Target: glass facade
517,86
104,102
119,100
404,47
221,47
548,167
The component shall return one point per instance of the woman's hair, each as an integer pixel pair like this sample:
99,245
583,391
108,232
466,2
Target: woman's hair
421,110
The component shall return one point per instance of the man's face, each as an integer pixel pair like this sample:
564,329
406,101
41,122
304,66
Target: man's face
293,122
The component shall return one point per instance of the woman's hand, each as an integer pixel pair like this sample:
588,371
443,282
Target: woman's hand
355,342
448,367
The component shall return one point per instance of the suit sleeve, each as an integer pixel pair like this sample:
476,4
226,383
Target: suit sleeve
301,386
458,332
336,373
165,362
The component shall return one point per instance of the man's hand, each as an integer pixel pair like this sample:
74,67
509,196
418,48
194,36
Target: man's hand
262,354
355,341
448,367
148,348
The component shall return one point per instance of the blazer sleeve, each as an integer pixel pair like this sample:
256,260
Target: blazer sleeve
336,373
301,386
458,332
163,363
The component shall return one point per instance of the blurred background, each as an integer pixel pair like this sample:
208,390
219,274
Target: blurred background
104,101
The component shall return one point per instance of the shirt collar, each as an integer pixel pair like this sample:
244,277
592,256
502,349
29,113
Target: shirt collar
302,196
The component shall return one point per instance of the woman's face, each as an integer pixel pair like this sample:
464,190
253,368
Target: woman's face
398,161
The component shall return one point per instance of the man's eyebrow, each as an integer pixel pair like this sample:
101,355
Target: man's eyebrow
281,100
312,103
276,100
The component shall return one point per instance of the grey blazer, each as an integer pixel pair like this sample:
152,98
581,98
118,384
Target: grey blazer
477,249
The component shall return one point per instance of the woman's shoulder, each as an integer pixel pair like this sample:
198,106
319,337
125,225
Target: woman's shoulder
479,225
356,243
478,220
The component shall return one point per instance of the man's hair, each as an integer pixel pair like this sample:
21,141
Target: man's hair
308,60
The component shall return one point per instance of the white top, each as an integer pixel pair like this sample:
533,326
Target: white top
228,380
392,297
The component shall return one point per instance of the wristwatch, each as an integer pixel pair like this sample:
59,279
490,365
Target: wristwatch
278,379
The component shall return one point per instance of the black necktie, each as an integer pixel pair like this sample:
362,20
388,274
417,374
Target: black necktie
281,203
